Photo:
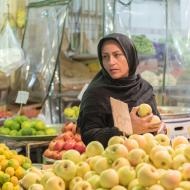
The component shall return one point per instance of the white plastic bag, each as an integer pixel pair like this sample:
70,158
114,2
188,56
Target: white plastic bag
11,53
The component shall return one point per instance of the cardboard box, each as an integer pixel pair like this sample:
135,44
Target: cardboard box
178,127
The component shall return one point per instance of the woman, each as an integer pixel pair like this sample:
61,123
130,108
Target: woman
117,78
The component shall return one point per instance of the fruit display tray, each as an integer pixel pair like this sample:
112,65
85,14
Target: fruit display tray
48,160
167,112
27,138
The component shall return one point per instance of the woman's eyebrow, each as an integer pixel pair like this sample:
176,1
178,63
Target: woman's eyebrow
117,51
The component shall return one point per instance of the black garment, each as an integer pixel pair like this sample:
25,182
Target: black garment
95,119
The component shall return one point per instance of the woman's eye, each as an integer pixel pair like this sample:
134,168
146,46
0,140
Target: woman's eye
104,56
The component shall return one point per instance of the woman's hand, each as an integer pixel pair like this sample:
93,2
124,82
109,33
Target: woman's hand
143,125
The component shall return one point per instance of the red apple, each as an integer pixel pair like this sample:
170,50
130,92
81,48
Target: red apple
80,146
69,127
56,155
48,153
77,137
61,136
59,145
52,144
69,144
68,135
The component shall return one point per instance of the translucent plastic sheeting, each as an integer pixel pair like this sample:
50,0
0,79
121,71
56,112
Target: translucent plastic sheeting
11,53
161,33
42,41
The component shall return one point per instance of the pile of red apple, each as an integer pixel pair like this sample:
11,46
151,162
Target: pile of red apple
69,139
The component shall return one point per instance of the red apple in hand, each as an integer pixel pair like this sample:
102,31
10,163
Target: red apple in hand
80,146
69,144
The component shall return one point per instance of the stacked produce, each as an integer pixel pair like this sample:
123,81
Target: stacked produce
13,168
23,126
139,162
71,112
69,139
144,45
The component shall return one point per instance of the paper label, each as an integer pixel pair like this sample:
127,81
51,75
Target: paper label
121,116
22,97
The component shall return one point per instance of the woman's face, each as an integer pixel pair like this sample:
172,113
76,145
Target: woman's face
114,60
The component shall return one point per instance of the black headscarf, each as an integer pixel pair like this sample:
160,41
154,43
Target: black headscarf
132,90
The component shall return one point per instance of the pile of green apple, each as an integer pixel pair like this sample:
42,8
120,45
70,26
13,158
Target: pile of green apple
71,112
139,162
23,126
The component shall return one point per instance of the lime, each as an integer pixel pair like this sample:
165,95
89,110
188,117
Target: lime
50,131
26,132
39,125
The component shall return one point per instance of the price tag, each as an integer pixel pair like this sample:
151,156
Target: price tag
22,97
82,92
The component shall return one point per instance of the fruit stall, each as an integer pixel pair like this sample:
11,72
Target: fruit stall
44,70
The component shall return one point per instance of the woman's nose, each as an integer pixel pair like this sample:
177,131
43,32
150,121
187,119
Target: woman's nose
111,60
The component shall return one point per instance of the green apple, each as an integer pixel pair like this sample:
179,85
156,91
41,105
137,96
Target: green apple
147,175
126,175
137,168
55,182
30,179
170,179
89,174
133,183
185,185
116,140
155,121
92,161
66,169
162,159
118,187
162,139
82,168
94,181
140,140
75,180
119,162
109,178
179,149
151,142
46,176
136,156
101,164
179,140
178,161
72,155
36,187
94,148
82,185
144,110
187,152
156,149
115,151
156,187
131,144
185,171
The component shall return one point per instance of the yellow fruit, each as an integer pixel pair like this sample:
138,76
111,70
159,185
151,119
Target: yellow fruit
10,171
3,164
3,146
2,157
13,163
8,154
16,187
7,186
20,172
20,158
14,180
